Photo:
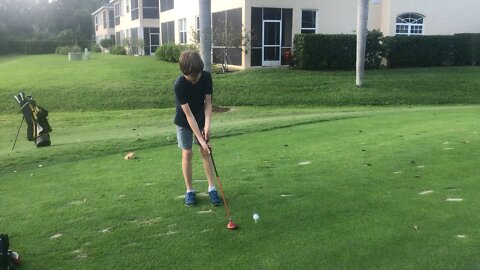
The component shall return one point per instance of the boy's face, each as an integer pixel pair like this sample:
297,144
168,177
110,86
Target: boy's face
193,78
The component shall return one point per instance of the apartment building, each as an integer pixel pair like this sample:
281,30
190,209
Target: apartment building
273,23
103,21
137,20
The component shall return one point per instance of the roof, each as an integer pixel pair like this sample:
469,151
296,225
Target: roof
105,6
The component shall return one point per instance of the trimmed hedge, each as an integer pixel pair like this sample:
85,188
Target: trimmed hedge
319,51
419,51
170,52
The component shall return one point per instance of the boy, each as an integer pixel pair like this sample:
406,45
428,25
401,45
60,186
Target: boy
193,98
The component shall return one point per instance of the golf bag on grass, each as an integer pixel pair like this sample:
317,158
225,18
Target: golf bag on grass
8,258
38,128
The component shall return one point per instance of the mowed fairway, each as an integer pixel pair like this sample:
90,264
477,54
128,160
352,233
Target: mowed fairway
351,188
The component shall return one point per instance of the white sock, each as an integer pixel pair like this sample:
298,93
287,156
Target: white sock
211,188
190,190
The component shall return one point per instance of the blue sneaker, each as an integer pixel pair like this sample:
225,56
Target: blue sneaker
190,198
214,199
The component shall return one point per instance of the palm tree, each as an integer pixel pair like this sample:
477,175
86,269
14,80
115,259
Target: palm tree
205,7
362,20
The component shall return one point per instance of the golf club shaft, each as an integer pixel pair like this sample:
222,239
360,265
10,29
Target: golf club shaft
220,185
18,132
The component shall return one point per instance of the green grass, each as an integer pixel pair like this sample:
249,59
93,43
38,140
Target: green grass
335,187
108,82
354,206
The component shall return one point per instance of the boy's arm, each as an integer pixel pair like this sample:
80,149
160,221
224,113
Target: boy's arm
208,116
194,126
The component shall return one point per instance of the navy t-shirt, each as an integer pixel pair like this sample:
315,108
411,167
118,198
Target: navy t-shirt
194,95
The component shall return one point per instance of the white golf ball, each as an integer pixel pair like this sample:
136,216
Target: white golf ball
256,216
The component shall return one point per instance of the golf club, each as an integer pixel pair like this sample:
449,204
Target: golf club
20,127
231,225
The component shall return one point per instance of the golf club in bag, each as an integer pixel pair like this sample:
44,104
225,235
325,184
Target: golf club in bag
231,225
38,128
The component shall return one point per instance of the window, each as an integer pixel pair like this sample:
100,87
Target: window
111,22
134,9
168,32
197,27
409,24
166,5
309,22
182,26
104,15
150,9
127,6
117,14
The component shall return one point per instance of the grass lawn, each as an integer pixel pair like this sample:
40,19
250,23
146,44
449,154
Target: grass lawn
335,189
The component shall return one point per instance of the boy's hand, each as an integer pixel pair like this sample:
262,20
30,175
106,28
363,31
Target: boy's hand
206,135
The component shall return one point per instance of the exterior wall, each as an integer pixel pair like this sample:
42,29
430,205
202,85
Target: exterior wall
126,22
442,17
101,32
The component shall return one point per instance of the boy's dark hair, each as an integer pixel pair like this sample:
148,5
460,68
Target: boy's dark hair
190,63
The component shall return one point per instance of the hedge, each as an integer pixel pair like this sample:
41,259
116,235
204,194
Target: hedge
319,51
170,52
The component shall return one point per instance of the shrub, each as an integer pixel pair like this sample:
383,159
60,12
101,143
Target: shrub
170,52
75,49
467,49
319,51
118,50
419,51
106,43
95,48
63,50
32,46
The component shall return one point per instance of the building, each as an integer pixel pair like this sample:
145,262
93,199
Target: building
137,25
273,23
103,21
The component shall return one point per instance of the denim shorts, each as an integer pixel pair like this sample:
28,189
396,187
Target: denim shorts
185,138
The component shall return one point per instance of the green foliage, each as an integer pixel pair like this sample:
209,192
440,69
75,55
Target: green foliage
419,51
467,49
3,39
106,43
63,50
95,48
118,50
170,52
327,52
32,46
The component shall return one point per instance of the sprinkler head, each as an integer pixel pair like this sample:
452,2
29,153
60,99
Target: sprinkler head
231,225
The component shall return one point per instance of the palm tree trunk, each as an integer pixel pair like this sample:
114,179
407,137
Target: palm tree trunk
362,20
205,7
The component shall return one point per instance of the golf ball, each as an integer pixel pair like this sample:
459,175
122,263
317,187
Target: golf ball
256,217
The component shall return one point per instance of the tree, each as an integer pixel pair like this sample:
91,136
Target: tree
362,23
228,37
205,7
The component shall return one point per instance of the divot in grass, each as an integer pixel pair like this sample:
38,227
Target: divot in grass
461,236
397,172
55,236
105,230
205,211
454,200
304,163
448,148
285,195
426,192
78,202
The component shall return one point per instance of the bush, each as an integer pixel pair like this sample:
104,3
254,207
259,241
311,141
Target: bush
106,43
170,52
319,51
118,50
95,48
419,51
32,46
467,49
63,50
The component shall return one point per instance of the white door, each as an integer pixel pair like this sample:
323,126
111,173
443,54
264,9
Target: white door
272,37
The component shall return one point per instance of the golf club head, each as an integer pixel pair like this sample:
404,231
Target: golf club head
231,225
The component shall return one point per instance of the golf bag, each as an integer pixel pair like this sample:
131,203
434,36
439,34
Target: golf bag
4,257
38,128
